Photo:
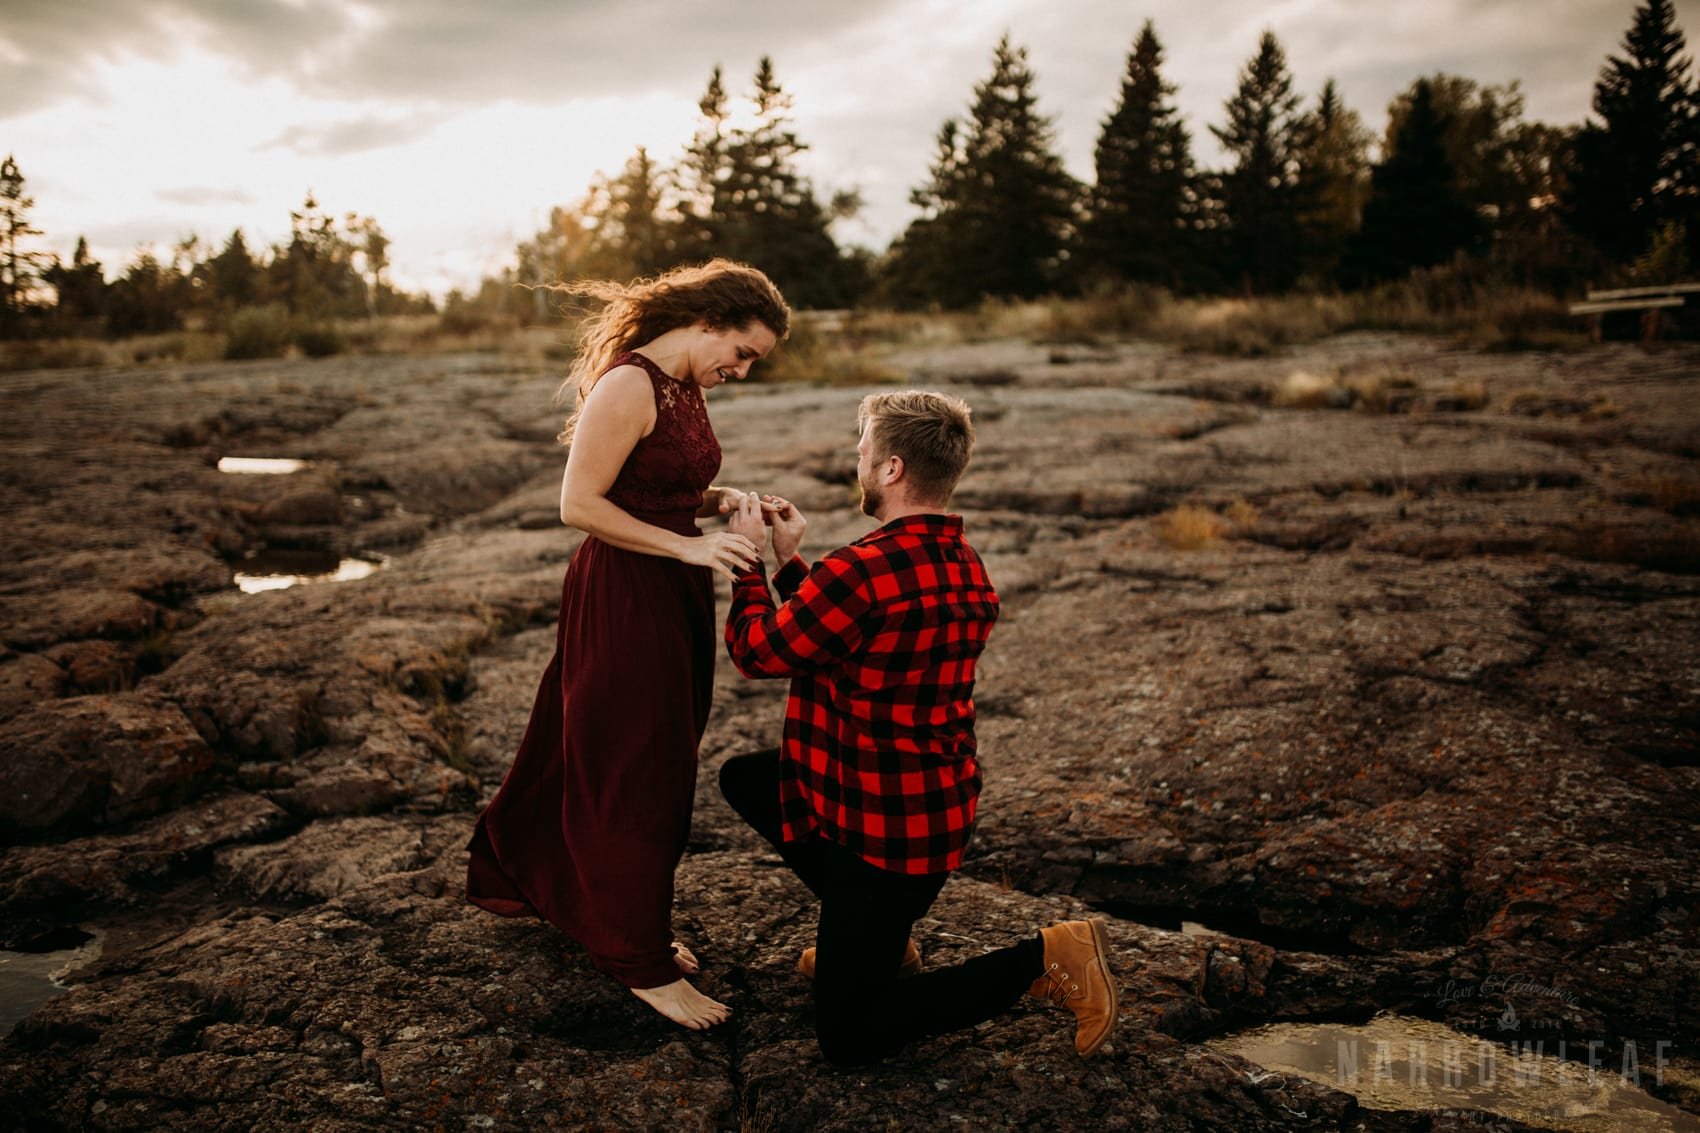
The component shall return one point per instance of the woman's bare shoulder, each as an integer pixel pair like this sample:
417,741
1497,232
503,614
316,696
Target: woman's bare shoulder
626,388
625,380
621,399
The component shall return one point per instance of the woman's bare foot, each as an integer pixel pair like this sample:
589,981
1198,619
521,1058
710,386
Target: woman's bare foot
684,1004
686,959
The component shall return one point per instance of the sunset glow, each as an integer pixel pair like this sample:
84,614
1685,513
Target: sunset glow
459,133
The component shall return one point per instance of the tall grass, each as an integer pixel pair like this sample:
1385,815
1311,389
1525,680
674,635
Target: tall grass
1442,301
853,347
1446,301
271,332
826,348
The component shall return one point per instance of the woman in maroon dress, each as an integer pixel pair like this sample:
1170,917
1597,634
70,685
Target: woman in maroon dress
592,819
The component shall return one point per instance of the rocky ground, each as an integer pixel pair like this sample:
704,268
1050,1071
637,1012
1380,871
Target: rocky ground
1362,678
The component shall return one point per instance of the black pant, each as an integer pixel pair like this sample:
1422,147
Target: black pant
862,1011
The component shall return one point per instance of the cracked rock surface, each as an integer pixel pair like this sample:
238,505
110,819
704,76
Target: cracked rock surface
1387,704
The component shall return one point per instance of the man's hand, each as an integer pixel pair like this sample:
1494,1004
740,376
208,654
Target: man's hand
748,519
788,526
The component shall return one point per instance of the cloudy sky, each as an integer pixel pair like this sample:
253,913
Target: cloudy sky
457,124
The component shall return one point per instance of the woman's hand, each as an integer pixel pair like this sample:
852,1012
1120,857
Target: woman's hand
718,500
726,552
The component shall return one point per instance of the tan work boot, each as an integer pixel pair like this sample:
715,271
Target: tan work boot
1077,976
911,965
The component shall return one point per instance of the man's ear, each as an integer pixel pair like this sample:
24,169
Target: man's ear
893,469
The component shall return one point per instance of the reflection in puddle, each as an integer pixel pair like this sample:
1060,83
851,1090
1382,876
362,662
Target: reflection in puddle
279,570
1399,1063
29,979
260,465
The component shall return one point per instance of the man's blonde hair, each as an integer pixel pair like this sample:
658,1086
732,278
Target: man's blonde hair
933,433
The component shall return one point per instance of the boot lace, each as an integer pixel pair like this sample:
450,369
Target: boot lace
1062,986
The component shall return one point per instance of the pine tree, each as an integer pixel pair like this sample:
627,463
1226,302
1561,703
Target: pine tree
80,290
1416,216
149,298
766,213
1636,169
918,268
1259,201
232,278
1137,220
697,180
20,266
998,209
1495,155
314,273
636,234
1332,150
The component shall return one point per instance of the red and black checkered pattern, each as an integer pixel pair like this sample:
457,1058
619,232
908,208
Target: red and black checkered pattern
880,640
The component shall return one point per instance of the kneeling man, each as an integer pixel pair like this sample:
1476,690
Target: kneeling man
870,798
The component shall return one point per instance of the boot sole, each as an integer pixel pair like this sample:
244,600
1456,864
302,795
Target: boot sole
1102,943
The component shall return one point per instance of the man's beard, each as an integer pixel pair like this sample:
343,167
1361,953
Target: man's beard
873,498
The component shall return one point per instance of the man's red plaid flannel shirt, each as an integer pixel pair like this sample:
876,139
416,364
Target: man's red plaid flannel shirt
880,640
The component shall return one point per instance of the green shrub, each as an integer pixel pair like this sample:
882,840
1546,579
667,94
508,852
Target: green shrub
320,340
258,332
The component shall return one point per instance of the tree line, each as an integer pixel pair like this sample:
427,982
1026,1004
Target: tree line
329,269
1461,180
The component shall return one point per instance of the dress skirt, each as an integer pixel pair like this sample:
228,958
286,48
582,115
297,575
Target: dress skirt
591,821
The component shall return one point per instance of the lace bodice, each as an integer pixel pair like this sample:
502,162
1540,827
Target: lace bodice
667,471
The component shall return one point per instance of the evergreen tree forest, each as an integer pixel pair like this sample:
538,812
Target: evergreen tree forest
1302,199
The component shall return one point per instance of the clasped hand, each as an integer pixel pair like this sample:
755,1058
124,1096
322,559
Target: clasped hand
752,516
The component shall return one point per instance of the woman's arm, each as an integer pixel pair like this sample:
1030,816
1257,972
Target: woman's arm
619,412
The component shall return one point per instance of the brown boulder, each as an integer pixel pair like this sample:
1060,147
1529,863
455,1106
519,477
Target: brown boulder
27,679
68,615
71,765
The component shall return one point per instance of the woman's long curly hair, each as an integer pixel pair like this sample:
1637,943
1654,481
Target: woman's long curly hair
722,294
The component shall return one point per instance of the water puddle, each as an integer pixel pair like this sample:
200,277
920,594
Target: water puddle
279,570
260,465
29,979
1398,1063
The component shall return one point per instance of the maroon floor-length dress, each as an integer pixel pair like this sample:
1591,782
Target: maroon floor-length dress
591,821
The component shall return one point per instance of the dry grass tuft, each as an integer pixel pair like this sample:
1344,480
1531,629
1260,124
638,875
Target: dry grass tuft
1242,514
818,351
1245,328
1190,527
1381,390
